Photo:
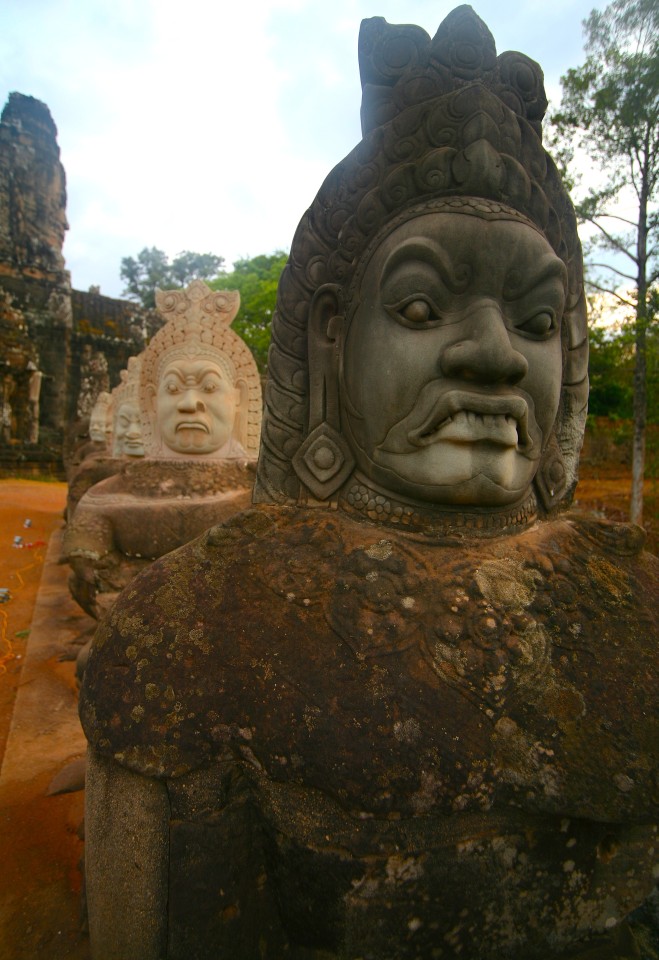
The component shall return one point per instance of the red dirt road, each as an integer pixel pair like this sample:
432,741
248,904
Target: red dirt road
40,879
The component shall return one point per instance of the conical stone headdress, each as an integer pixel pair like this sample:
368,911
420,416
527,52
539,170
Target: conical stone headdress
446,123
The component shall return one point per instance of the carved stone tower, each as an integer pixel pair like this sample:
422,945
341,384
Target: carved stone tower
35,288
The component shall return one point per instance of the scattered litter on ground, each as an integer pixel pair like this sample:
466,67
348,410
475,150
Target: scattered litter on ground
18,543
6,645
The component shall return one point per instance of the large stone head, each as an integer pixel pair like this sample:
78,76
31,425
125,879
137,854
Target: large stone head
429,346
200,385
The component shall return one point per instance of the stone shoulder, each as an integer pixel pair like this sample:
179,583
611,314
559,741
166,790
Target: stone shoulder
163,623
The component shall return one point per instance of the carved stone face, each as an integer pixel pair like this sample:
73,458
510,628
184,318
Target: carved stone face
97,425
452,361
195,407
128,440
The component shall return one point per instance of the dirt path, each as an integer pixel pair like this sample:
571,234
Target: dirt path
40,849
20,573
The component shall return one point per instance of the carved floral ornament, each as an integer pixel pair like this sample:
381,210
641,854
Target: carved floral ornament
451,131
198,328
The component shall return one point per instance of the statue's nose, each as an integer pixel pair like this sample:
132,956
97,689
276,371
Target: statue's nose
190,402
483,350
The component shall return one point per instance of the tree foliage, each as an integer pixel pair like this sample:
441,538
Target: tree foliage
152,268
256,279
610,109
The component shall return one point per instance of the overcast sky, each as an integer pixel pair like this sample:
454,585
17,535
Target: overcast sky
209,125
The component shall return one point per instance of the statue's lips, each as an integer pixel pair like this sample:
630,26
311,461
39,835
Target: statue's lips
192,425
464,416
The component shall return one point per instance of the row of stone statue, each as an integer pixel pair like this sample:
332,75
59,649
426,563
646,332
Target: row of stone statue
171,449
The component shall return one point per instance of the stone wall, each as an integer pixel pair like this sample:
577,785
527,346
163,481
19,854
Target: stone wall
118,329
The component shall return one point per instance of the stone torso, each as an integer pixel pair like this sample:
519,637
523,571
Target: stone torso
154,506
147,509
94,468
423,742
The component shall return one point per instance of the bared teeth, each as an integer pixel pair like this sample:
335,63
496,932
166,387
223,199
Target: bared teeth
489,423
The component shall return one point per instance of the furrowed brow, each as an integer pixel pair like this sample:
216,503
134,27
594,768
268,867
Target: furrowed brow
550,269
430,254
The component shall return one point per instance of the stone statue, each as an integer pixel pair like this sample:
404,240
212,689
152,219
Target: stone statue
406,706
100,423
192,403
35,376
93,379
113,432
95,459
127,439
8,389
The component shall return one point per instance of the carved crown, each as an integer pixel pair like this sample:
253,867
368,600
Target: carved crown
400,66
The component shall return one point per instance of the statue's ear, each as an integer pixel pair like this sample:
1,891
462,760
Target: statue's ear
150,392
324,461
325,327
241,394
150,425
326,305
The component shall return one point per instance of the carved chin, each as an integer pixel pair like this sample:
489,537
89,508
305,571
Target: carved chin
479,474
195,439
190,440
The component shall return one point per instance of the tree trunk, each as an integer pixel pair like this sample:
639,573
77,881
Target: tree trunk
640,362
640,409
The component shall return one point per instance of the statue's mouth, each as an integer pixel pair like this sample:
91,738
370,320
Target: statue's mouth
192,425
463,416
466,417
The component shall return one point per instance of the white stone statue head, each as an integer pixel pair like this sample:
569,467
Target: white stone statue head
200,387
128,439
100,425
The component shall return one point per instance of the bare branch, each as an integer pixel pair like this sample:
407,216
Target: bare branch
597,286
607,266
614,216
616,244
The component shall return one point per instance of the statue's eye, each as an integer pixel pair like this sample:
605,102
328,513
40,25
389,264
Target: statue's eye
418,311
209,387
171,386
415,311
541,324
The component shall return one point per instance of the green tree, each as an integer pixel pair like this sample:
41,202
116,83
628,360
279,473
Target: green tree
152,268
611,372
256,279
610,109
